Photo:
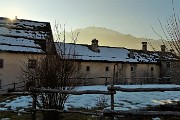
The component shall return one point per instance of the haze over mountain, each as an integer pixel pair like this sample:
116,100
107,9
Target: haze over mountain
108,37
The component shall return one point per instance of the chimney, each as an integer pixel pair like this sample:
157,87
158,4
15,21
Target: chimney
163,48
94,45
144,46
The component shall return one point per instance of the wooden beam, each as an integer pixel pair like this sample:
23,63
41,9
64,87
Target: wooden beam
141,113
15,111
118,88
18,93
69,111
43,90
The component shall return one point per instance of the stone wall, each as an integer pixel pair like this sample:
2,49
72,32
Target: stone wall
170,72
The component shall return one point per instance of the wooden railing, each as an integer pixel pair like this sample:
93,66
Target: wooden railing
12,87
139,113
111,90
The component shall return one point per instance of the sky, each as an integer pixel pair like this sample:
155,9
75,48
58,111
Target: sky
125,16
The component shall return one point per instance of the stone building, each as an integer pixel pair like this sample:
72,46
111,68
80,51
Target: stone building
21,42
26,41
170,68
103,64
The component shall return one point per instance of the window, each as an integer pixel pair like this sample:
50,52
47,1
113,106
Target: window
152,69
87,68
107,68
168,65
32,63
1,63
132,68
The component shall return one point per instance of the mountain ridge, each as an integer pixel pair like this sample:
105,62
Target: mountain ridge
112,38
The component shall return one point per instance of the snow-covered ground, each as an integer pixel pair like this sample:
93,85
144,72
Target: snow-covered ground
123,100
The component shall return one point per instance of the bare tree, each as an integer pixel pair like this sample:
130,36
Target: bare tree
171,32
57,70
171,39
101,102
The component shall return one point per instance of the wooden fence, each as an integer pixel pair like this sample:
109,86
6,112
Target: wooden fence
111,90
12,87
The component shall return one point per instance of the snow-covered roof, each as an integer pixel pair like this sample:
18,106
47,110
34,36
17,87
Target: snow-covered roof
21,35
111,54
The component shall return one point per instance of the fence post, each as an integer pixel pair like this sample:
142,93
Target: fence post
14,86
112,101
34,107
